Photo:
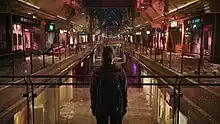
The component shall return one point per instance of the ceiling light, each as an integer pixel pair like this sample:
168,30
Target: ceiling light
142,7
29,13
29,4
185,5
34,17
72,22
83,13
61,17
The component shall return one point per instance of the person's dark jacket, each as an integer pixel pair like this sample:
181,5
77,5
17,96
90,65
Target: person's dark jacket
107,73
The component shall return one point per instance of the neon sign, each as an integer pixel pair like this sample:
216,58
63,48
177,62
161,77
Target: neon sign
196,21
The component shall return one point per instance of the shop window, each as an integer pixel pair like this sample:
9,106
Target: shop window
17,37
37,41
14,39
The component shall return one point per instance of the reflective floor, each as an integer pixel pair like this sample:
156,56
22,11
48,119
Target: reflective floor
141,108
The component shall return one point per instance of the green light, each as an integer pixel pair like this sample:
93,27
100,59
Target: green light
196,21
51,28
82,33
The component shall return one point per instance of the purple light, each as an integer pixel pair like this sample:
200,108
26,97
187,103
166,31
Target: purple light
134,68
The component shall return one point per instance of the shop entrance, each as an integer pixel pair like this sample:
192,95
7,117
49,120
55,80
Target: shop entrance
27,40
175,38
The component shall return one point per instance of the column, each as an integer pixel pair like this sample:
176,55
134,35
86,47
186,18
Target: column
214,18
51,105
10,121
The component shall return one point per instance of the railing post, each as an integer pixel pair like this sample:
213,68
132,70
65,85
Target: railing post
182,62
162,56
174,102
31,58
59,55
69,50
44,59
150,51
27,95
201,53
170,58
32,98
65,50
179,96
13,67
52,54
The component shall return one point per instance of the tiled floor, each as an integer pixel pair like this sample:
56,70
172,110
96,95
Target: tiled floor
141,108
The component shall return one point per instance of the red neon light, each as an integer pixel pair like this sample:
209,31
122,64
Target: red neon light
206,29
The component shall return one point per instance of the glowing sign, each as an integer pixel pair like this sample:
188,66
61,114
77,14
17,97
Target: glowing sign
82,33
173,24
196,21
51,27
138,33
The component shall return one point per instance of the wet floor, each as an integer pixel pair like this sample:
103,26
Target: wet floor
77,111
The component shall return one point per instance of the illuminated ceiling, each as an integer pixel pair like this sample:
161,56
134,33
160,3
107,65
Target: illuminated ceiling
151,11
63,12
70,12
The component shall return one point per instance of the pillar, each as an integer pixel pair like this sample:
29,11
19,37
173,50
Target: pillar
51,105
213,18
183,34
11,121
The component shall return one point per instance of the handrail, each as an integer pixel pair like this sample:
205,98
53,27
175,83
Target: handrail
71,76
13,53
130,84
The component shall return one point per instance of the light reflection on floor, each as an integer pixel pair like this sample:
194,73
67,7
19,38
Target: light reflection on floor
141,107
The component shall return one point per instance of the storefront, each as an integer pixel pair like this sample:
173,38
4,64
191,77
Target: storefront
66,91
164,114
193,32
25,33
50,35
73,39
83,37
175,36
63,36
158,39
149,90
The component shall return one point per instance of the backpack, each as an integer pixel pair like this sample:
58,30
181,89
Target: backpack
109,95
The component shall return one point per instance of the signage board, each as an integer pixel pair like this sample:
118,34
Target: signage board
173,24
82,33
196,20
51,27
25,20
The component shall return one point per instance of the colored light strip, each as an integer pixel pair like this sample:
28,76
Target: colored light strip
178,8
185,5
72,22
61,17
29,4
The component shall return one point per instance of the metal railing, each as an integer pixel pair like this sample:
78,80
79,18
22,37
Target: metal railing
33,61
182,62
177,86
